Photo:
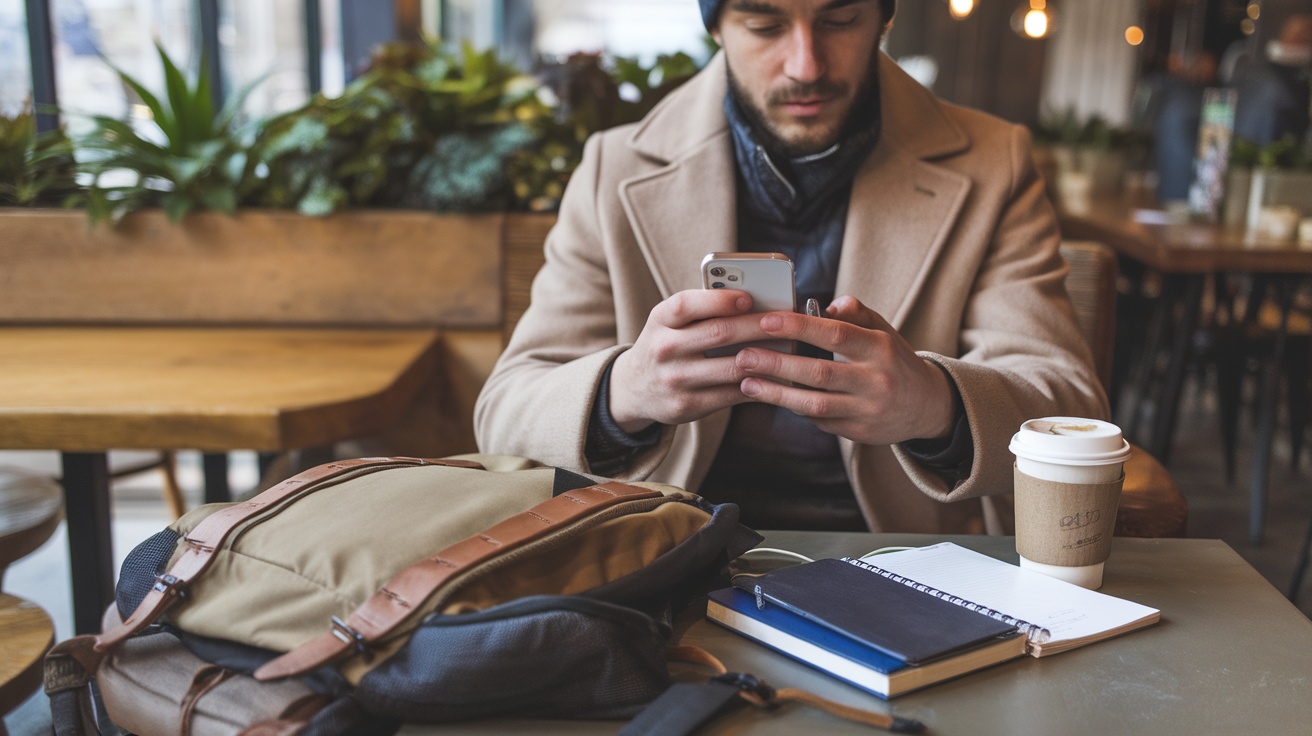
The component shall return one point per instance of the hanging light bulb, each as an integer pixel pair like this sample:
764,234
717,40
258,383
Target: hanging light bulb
961,8
1034,19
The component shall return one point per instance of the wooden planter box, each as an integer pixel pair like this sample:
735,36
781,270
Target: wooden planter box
467,275
378,267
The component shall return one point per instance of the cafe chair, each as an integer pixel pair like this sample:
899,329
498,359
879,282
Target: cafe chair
31,507
1151,502
166,464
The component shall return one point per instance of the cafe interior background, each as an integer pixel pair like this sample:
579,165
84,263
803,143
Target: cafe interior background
1112,90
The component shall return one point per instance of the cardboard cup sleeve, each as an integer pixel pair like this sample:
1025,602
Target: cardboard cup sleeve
1068,524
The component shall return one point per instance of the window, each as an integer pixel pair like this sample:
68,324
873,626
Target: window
15,69
641,28
124,32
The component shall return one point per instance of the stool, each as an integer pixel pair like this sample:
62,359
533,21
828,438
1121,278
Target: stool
31,507
26,634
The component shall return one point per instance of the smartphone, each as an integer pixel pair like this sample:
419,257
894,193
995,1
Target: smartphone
768,277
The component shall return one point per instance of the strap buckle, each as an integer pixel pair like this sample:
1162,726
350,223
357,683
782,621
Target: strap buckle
749,684
169,585
348,635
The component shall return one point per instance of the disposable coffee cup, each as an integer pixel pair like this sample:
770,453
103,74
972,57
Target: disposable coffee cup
1068,472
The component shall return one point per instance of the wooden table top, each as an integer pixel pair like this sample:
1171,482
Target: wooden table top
95,389
1190,247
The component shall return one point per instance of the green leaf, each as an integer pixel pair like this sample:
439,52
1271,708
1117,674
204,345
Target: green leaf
223,199
180,100
159,113
175,206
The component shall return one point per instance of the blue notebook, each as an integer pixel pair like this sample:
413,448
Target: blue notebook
841,656
900,621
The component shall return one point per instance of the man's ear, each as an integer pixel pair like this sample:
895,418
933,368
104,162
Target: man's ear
715,34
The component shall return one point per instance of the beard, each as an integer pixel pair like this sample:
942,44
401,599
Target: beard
777,144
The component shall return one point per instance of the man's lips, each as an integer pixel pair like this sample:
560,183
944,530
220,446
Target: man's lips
806,107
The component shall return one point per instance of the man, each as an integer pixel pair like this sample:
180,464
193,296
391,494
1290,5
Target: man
926,220
1273,87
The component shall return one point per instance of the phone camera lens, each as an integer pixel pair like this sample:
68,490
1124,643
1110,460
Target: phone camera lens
717,272
717,285
733,278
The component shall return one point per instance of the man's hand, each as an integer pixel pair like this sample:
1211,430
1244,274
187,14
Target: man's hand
665,377
876,391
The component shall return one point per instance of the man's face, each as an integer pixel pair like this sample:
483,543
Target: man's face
799,67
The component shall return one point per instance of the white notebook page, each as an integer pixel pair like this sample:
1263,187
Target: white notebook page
1067,611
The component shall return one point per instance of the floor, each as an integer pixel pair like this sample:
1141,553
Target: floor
1218,510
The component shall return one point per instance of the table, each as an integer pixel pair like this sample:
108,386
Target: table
1186,254
1230,656
84,391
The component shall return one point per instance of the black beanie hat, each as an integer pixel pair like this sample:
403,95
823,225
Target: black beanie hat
711,10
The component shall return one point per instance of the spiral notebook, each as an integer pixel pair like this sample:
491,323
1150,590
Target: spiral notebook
875,611
1055,615
929,603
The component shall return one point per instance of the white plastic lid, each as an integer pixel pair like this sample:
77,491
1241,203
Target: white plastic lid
1070,441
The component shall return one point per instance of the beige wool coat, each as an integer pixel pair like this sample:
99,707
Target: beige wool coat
949,236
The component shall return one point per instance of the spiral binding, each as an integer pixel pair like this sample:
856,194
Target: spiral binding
1034,633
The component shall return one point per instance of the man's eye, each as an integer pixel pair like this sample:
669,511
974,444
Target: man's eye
764,29
839,22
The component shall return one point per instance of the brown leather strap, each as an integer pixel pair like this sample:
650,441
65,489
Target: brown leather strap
206,679
71,664
203,541
690,654
295,717
769,698
876,719
408,589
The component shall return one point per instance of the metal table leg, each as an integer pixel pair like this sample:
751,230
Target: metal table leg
215,466
1140,384
90,544
1266,418
1173,383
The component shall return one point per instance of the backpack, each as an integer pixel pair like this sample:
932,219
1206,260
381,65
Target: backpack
364,594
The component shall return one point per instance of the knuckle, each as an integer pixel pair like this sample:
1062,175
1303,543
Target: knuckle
665,351
816,406
822,373
717,332
835,333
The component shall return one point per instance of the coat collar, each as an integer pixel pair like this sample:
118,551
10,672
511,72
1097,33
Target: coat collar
686,207
913,119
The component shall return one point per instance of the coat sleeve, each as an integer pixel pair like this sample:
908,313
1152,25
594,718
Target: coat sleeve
539,397
1022,354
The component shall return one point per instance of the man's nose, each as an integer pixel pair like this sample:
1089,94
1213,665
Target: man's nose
805,62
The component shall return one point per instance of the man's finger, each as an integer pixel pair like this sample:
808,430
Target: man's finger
801,401
850,309
818,373
834,335
694,305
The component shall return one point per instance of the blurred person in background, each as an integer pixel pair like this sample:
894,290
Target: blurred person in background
1272,82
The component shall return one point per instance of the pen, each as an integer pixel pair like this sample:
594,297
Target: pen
813,308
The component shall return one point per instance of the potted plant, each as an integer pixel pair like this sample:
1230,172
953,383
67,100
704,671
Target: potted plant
35,169
393,203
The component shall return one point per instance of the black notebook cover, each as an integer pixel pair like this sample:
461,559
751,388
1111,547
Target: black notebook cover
892,617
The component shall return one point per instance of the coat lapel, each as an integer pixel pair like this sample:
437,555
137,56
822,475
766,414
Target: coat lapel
902,211
685,209
903,206
682,212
